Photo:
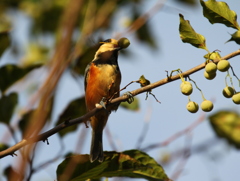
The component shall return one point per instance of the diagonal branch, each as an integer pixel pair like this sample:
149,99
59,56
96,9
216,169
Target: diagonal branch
59,61
44,136
140,21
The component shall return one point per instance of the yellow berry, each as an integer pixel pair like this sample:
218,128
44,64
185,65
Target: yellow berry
192,107
123,42
207,106
236,98
223,65
214,56
184,83
211,67
228,92
186,88
210,76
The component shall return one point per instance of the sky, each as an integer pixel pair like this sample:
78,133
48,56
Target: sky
219,162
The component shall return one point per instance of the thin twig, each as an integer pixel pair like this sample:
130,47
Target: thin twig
11,130
121,90
44,164
176,135
30,162
187,152
155,97
235,75
140,21
145,128
44,136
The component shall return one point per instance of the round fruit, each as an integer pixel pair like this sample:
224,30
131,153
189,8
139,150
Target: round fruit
211,67
223,65
186,88
207,106
214,56
185,82
192,107
123,42
236,98
210,76
228,92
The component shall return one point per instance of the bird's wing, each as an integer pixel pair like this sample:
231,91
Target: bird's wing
86,75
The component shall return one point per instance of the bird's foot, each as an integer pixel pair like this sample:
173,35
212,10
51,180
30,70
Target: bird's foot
102,103
130,97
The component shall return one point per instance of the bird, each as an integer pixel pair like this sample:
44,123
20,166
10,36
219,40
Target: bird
102,82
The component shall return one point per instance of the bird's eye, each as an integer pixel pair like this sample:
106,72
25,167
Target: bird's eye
108,40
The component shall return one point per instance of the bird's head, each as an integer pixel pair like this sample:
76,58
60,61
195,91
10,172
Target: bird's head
111,47
107,49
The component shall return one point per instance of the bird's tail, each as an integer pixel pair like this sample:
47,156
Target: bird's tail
96,152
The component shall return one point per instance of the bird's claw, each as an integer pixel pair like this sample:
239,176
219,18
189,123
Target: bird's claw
103,102
130,97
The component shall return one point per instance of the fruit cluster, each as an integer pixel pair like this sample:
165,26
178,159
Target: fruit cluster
187,89
223,66
211,68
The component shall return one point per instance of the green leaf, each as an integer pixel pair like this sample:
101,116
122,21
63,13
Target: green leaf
219,12
36,54
188,34
7,105
9,74
74,109
42,22
144,33
235,37
134,106
5,41
3,146
131,163
226,125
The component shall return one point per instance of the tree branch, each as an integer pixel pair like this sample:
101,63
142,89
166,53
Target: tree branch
175,77
84,118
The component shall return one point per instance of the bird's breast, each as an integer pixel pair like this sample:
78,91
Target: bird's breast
103,81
